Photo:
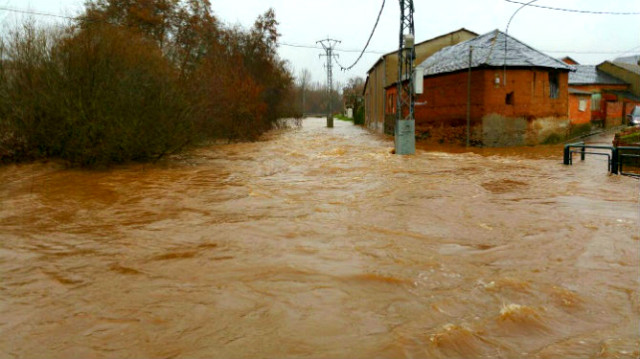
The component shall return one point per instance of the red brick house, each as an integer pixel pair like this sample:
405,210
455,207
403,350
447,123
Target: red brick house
622,101
519,95
608,95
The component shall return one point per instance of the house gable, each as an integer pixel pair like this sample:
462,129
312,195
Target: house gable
629,73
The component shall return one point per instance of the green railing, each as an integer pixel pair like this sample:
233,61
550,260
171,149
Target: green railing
616,155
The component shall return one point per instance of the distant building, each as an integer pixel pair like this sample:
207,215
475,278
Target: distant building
604,106
624,101
518,94
570,61
385,73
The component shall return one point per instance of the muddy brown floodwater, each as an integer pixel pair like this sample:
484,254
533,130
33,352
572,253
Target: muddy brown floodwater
319,243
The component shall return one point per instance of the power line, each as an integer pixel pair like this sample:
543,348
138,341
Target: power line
368,41
584,52
39,13
374,52
506,35
42,13
574,10
591,52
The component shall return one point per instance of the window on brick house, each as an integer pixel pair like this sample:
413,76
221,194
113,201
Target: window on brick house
554,85
595,101
391,103
509,98
582,105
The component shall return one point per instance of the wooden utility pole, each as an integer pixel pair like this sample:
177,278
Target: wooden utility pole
469,96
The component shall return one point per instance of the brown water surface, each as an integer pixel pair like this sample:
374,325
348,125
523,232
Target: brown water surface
319,243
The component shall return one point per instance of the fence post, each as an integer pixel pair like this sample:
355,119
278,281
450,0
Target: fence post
614,161
567,154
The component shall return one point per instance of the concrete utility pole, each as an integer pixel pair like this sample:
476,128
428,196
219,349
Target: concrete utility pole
329,45
405,131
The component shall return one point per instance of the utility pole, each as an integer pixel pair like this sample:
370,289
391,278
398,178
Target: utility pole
405,129
469,96
329,45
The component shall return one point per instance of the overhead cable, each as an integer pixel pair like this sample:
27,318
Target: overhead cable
335,50
574,10
343,68
39,13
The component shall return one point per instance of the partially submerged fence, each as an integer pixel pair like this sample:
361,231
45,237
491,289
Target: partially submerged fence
617,156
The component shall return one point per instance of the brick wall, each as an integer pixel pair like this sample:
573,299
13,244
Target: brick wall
599,114
575,115
614,114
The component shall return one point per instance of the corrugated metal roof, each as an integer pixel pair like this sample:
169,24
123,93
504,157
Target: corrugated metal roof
494,49
633,60
590,75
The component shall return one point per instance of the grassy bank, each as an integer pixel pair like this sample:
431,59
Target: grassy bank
343,118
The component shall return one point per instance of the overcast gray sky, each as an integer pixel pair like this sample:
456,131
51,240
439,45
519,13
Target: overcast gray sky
588,38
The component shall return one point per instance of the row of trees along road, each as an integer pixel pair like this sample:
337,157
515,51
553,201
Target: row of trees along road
137,80
311,97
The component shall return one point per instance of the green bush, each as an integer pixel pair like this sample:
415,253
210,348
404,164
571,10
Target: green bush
358,117
631,138
99,96
342,117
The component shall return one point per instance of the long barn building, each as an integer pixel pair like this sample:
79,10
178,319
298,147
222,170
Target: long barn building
384,73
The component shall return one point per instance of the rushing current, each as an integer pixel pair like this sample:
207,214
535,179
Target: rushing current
320,243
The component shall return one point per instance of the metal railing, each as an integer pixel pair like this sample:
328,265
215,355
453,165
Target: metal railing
622,155
615,157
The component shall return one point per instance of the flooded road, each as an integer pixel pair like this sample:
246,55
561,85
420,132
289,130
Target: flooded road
319,243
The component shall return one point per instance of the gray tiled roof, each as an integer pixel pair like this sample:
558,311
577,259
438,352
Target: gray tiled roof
489,51
590,75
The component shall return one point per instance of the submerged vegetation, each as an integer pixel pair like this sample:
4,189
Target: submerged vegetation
137,80
630,136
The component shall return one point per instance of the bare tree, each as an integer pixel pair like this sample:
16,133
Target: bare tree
304,80
352,97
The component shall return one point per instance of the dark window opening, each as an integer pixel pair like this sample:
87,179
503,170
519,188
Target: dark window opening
391,104
554,85
509,98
